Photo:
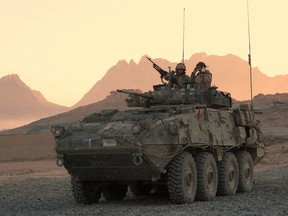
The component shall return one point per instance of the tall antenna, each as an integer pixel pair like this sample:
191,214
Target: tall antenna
249,56
183,34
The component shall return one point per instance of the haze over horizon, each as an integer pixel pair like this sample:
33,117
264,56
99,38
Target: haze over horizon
61,48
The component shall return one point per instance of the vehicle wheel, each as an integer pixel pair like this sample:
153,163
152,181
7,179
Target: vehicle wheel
114,192
139,188
182,179
207,176
85,192
228,175
245,171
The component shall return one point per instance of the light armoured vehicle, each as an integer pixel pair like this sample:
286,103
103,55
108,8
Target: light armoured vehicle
185,142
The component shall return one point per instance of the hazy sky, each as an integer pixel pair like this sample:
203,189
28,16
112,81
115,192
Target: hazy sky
62,47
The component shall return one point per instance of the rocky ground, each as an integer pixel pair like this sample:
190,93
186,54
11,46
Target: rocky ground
42,188
52,196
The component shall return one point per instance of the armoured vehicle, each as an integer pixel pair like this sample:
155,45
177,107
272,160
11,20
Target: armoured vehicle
188,143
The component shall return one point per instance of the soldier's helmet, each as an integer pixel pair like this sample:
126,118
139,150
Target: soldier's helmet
201,64
180,66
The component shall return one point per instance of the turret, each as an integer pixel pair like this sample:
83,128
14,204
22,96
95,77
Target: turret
190,94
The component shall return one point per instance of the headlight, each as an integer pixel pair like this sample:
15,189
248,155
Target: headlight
109,143
136,129
57,131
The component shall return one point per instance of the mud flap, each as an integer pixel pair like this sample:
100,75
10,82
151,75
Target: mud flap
257,154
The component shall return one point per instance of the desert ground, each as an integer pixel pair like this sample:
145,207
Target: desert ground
32,184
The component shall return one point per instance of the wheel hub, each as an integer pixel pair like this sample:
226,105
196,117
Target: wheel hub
189,179
210,178
231,176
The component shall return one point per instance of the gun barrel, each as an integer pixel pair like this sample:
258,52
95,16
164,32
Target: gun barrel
162,72
149,58
134,93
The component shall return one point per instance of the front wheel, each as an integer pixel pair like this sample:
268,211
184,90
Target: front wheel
85,192
182,179
114,192
139,188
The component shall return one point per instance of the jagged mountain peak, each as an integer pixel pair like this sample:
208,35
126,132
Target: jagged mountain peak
13,79
10,76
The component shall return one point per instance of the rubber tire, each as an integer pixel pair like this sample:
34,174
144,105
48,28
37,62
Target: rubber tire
228,175
138,188
114,192
85,192
182,185
246,170
207,176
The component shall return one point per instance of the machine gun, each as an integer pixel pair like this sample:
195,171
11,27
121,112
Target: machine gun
163,73
169,76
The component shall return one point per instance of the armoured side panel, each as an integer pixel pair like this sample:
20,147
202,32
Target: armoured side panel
222,127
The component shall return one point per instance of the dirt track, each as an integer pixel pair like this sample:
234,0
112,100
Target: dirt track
42,194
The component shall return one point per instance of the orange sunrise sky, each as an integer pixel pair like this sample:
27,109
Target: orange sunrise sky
63,47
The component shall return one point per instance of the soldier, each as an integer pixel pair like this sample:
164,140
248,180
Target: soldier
180,76
202,76
176,78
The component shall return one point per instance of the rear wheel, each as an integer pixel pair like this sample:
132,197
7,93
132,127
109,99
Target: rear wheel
114,192
207,176
228,175
161,190
245,171
182,179
139,188
85,192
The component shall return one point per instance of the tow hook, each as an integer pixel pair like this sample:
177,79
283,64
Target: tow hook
137,158
59,160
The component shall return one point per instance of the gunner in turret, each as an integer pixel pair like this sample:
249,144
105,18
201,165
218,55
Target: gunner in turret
180,76
202,76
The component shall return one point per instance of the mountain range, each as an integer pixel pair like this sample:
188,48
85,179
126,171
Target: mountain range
273,108
230,74
20,105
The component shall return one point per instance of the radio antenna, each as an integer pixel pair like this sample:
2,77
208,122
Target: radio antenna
183,34
249,57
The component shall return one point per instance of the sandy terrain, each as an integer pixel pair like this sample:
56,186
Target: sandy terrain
27,147
31,169
276,156
28,156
